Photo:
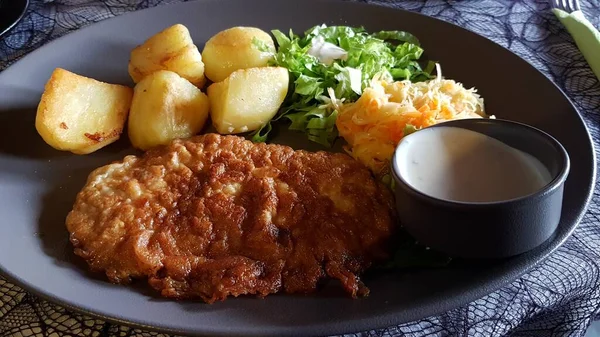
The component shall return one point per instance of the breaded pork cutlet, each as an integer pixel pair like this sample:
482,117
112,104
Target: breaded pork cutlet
216,216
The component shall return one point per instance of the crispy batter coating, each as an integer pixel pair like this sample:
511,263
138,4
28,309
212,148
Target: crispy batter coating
216,216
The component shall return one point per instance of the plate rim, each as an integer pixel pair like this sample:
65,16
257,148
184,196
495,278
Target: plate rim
488,287
18,19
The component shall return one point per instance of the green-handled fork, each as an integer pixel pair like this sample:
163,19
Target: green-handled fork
586,36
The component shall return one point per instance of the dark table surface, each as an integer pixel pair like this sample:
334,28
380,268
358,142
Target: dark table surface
559,297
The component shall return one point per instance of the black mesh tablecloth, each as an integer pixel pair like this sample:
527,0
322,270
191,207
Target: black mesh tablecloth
559,297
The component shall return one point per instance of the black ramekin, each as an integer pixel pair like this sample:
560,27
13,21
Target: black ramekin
489,229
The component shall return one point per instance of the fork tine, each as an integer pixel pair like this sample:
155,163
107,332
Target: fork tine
557,4
575,5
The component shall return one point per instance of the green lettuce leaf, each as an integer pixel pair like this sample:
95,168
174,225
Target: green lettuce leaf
260,135
408,129
308,86
260,45
397,35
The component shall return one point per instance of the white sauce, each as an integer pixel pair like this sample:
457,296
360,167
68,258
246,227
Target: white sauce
326,52
461,165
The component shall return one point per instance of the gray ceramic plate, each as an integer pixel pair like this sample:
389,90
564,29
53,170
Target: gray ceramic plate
38,184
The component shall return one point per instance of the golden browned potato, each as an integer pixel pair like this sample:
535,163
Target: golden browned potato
171,49
80,114
165,106
233,49
247,99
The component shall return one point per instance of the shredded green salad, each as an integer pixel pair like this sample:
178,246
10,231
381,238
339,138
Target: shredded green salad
335,64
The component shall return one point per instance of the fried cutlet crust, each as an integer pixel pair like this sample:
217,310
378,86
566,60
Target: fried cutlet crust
216,216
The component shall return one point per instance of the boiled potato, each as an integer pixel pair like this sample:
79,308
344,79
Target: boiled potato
233,49
172,49
165,106
80,114
247,99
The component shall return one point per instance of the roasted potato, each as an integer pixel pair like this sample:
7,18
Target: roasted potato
171,49
80,114
247,99
165,106
233,49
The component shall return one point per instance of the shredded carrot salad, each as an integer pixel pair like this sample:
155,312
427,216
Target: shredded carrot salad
374,124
